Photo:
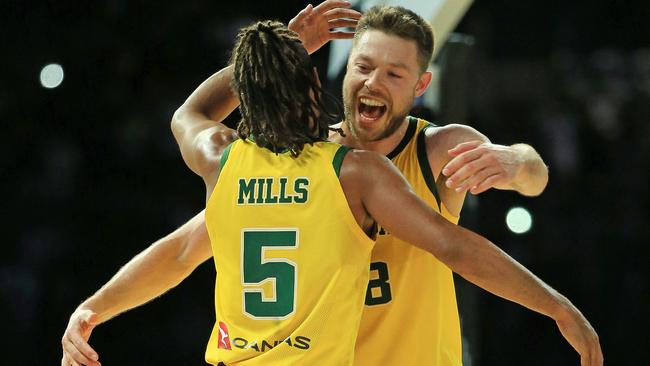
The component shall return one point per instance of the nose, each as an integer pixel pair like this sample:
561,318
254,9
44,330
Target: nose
373,82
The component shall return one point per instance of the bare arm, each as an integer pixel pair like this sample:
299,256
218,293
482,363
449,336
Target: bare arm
160,267
387,197
468,161
197,126
480,165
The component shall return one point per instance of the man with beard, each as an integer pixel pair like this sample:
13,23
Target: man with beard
386,70
410,293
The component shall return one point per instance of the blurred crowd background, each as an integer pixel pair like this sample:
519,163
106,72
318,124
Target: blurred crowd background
91,174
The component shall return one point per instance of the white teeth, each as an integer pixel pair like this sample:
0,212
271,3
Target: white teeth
371,102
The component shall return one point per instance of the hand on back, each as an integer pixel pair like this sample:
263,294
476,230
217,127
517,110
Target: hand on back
477,166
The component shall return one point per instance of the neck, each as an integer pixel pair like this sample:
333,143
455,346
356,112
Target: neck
383,146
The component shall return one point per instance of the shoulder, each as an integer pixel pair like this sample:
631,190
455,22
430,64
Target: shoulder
364,159
214,144
364,165
448,136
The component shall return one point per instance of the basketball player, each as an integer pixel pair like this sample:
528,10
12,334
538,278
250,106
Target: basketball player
212,141
386,70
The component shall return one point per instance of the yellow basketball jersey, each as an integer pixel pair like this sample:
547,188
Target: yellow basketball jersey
411,316
291,260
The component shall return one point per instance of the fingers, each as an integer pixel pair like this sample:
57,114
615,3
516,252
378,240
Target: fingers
342,23
463,147
83,347
304,13
342,13
488,183
331,4
74,356
65,361
479,179
462,167
341,35
459,162
75,346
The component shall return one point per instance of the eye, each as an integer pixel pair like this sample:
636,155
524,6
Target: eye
363,68
394,75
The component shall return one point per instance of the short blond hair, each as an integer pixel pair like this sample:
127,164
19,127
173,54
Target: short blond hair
401,22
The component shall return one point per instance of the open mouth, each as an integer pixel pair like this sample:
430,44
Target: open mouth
371,109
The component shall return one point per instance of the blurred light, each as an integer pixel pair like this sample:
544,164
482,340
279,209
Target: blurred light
51,76
519,220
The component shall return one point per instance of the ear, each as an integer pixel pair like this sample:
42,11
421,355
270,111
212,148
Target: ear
423,83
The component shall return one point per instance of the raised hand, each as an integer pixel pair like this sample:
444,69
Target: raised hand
314,24
478,166
76,350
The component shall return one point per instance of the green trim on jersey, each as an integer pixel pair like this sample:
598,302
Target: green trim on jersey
410,131
224,154
338,158
425,167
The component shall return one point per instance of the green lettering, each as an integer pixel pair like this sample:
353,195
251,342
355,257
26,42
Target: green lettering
283,191
260,191
270,198
300,187
246,191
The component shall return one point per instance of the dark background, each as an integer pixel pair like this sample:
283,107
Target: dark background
91,174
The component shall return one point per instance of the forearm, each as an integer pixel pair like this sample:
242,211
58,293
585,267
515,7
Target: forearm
214,98
147,276
487,266
209,104
197,126
533,174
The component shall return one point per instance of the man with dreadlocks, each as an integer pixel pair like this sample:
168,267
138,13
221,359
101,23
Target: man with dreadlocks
290,216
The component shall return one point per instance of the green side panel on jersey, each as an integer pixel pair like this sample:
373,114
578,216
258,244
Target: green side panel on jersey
224,155
338,158
425,167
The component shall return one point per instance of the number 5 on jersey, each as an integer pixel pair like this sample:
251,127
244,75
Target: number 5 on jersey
257,270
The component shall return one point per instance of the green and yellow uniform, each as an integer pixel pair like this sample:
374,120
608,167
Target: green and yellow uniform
292,262
411,316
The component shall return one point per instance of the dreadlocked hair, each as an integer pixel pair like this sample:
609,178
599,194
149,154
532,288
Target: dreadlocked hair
281,103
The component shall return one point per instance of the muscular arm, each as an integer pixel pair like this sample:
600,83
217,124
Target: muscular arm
155,270
197,126
468,161
386,196
160,267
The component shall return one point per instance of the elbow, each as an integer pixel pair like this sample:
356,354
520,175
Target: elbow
176,124
539,184
531,181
